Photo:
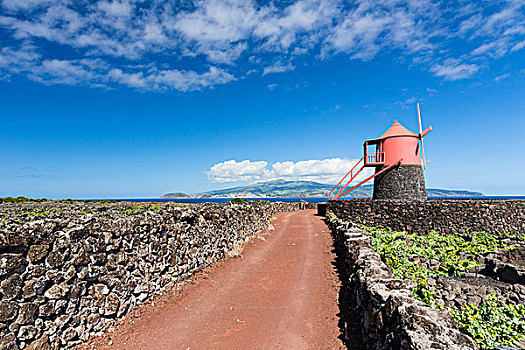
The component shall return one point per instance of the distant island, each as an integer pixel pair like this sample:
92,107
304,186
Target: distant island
283,189
176,195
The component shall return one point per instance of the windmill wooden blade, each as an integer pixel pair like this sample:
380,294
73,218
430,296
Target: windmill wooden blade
427,130
419,121
420,136
423,154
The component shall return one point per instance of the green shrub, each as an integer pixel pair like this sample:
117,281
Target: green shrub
20,199
106,201
238,201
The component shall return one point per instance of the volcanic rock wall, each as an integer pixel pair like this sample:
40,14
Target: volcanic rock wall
442,215
389,317
400,182
68,270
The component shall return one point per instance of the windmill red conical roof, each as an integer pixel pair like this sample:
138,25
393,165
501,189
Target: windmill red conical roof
397,130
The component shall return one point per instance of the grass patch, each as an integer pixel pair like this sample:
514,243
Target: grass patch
44,213
132,210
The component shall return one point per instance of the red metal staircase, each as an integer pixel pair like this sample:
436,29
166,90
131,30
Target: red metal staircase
340,189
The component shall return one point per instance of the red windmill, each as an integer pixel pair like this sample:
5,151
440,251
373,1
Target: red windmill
398,158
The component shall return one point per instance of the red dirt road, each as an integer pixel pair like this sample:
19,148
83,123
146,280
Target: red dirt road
280,294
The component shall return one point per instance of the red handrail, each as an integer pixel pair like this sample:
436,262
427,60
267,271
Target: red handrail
369,178
375,157
348,183
351,178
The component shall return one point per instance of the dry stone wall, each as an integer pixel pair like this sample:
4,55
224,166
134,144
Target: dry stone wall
389,317
442,215
68,270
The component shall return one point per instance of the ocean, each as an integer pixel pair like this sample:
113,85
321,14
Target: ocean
286,199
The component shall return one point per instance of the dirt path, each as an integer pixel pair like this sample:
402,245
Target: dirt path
280,294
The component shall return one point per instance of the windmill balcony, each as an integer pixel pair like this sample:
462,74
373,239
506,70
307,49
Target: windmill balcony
375,158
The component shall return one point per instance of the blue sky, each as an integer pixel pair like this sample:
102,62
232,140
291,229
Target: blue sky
121,99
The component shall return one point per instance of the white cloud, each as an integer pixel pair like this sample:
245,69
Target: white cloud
18,59
500,31
135,80
190,80
328,171
281,29
502,77
99,73
472,22
27,5
116,8
358,35
217,29
171,79
518,46
453,69
483,49
408,101
226,55
324,171
270,36
372,26
508,18
218,21
232,171
278,67
62,72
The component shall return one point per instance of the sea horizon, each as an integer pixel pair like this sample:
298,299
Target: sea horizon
220,200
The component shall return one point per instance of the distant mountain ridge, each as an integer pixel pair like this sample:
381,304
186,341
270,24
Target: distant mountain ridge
283,188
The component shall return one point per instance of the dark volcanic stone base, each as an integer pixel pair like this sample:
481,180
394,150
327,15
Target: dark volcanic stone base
400,182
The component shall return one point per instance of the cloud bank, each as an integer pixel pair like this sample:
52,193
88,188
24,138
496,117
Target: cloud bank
328,171
169,45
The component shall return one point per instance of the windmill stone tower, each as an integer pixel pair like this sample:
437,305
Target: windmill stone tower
405,179
398,158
